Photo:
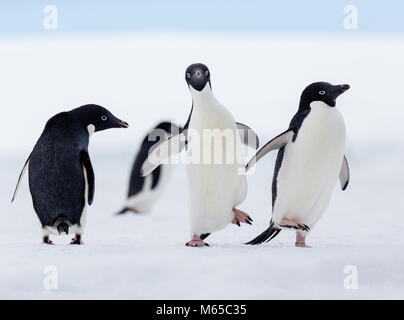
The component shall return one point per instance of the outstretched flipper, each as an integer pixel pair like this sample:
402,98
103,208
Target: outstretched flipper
86,162
163,151
24,169
344,174
276,143
267,235
248,136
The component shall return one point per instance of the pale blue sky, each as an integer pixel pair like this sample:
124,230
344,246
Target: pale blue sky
248,16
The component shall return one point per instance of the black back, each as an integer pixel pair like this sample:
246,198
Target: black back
56,179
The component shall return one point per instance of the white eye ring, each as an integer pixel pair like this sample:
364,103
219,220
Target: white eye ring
188,75
206,73
322,92
104,118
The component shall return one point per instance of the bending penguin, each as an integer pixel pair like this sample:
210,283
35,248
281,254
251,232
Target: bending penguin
61,177
216,188
144,191
309,161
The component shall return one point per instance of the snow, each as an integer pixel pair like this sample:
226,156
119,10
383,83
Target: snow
140,79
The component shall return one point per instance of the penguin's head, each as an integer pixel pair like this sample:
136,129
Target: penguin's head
197,76
322,91
169,127
162,131
98,117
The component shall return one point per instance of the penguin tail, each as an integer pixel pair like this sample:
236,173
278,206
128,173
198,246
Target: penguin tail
62,226
124,210
266,236
203,236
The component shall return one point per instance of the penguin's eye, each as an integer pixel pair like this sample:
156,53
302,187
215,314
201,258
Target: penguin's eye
104,118
206,73
188,75
322,92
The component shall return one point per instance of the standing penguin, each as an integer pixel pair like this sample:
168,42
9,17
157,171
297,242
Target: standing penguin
144,191
61,177
216,188
309,161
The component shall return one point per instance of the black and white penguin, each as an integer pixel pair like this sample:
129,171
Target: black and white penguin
309,161
144,191
61,177
216,187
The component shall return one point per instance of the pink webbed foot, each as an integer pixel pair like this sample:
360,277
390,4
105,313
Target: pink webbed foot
196,242
301,241
241,216
292,224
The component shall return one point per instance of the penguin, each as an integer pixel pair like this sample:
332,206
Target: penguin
144,191
310,160
216,187
61,177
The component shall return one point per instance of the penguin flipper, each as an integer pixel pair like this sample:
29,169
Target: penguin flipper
86,162
248,136
276,143
24,169
162,152
344,174
124,210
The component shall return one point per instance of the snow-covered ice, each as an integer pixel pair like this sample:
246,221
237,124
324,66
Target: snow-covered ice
140,79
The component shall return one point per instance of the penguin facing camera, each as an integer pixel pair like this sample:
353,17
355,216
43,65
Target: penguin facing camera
216,189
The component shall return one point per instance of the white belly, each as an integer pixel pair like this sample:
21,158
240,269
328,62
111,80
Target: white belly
311,166
216,185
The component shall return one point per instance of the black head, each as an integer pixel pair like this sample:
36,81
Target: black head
160,132
197,76
322,91
169,127
99,117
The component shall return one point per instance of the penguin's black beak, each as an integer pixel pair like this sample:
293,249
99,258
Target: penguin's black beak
198,80
340,89
123,124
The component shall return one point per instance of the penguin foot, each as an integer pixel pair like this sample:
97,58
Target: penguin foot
301,241
241,216
291,224
46,240
301,245
196,242
77,240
